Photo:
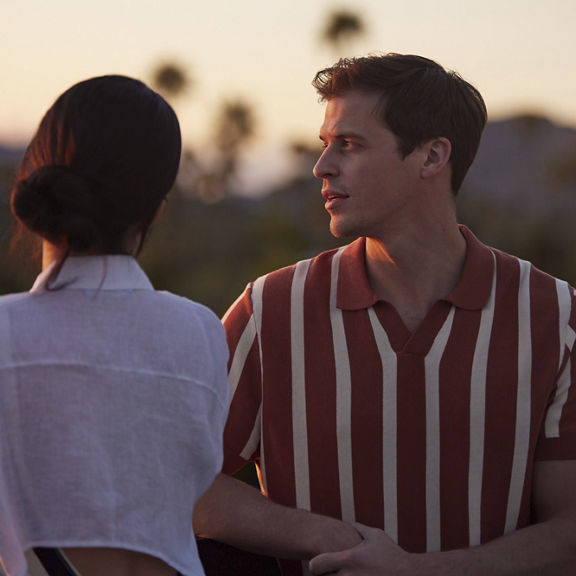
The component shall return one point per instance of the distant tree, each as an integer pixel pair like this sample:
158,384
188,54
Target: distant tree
235,126
342,26
304,155
171,79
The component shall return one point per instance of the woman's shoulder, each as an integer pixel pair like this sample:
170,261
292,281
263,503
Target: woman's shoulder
7,300
186,305
184,311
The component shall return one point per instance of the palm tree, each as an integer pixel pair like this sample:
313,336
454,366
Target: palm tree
170,79
342,26
235,127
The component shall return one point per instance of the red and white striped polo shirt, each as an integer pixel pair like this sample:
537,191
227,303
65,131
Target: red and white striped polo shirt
431,436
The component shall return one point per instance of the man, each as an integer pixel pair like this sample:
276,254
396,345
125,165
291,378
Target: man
409,399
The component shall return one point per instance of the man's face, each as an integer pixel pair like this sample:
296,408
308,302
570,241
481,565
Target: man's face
370,190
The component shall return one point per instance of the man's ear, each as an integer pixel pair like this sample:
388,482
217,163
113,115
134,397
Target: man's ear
438,153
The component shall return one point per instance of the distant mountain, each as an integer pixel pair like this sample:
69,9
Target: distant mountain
10,156
527,163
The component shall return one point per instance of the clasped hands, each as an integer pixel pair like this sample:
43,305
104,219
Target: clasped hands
376,555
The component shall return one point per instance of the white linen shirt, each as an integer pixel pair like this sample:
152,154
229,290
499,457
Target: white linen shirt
113,399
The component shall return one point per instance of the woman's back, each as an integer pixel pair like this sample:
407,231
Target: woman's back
108,400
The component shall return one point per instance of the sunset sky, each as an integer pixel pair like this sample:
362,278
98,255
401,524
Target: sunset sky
520,54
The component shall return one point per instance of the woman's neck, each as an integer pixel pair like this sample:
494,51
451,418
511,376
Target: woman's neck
51,254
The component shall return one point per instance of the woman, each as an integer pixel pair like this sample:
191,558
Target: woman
113,396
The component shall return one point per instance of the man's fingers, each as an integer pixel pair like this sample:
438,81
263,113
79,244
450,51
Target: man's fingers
366,531
327,563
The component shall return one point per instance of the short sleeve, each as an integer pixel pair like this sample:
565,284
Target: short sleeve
558,436
242,432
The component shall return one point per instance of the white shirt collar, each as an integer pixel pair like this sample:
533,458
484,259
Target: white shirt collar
102,272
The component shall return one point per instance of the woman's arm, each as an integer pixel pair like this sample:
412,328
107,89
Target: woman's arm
115,562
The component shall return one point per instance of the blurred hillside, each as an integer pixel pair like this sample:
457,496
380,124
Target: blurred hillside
520,196
520,193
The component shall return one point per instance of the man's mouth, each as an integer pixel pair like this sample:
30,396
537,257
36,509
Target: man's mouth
332,197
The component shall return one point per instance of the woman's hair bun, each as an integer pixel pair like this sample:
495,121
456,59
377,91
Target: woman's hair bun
103,159
58,204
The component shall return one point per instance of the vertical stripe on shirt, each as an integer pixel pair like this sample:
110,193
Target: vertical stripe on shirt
554,413
300,429
523,403
478,417
389,425
241,353
343,398
432,369
255,435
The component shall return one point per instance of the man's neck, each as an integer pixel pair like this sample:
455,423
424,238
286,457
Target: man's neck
413,272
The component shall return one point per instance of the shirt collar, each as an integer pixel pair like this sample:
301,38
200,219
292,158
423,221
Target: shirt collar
102,272
475,285
354,290
471,293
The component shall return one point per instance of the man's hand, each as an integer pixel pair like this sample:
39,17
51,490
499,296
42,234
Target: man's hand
546,548
376,555
238,514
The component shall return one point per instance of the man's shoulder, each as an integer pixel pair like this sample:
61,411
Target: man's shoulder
545,291
321,260
274,290
509,264
506,260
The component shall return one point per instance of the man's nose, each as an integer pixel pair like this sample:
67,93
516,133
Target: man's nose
325,166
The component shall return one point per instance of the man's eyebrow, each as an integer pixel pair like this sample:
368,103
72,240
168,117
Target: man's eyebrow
344,135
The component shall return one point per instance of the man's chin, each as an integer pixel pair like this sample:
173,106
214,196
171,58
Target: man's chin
341,232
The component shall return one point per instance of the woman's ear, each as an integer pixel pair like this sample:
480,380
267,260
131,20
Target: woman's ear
438,152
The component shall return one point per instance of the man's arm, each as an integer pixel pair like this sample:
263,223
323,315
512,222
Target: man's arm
547,548
236,513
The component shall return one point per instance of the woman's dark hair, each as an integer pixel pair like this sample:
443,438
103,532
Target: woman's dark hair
103,159
419,101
